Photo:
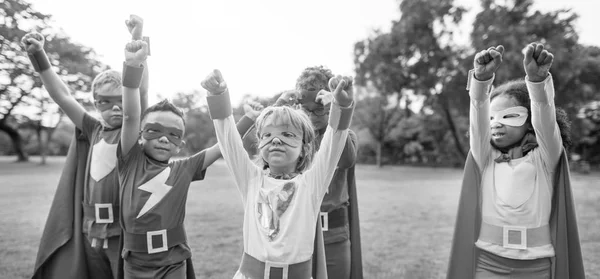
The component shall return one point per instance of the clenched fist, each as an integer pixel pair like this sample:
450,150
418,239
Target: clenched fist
214,83
136,53
135,25
487,61
343,92
33,42
537,62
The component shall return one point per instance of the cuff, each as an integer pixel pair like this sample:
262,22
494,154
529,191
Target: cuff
39,60
340,117
244,125
132,76
219,106
541,92
479,90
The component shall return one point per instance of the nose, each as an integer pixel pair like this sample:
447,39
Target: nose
495,124
276,141
163,139
116,107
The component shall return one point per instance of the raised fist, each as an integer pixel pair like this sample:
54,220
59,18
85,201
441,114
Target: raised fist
252,109
487,61
33,42
343,92
537,62
136,53
135,25
214,83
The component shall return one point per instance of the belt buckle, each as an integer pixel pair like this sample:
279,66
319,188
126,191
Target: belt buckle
324,220
151,248
506,230
268,266
108,207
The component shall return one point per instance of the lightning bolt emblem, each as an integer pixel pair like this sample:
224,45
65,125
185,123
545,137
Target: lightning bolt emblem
157,188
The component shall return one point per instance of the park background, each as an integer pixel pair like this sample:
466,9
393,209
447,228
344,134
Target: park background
410,61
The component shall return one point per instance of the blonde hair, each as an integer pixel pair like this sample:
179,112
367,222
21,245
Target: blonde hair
298,119
110,77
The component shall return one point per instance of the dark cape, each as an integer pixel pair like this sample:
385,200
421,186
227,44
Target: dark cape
61,252
319,260
356,270
568,262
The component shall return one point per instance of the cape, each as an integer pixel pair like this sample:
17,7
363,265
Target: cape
356,270
568,262
61,252
319,260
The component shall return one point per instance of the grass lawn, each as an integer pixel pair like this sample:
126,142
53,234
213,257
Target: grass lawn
407,219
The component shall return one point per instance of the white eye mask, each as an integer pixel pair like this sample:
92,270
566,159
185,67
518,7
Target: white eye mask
515,116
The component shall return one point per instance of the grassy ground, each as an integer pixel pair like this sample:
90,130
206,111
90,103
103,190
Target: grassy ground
407,218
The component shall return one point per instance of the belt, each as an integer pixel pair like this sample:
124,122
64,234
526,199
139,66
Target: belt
516,237
102,213
334,219
253,268
154,241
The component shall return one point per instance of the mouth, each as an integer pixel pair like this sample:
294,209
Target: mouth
161,148
498,134
276,150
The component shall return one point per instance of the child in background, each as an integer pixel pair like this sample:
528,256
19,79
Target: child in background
282,194
516,217
64,252
153,188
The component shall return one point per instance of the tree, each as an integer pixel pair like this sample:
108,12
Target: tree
417,57
19,84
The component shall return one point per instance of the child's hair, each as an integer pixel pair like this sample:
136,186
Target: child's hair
111,77
297,118
517,89
164,105
314,78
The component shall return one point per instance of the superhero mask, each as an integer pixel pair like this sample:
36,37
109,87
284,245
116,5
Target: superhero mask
514,116
104,103
286,134
154,131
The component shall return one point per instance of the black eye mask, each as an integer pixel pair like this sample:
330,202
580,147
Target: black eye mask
104,103
154,131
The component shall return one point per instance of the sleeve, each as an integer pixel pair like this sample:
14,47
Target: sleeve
193,165
319,175
479,119
348,158
543,119
90,124
230,142
124,163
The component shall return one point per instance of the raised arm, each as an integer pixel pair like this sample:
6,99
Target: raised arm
230,142
135,26
348,157
135,54
57,89
537,63
319,175
481,77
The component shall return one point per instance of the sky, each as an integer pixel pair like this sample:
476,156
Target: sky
260,46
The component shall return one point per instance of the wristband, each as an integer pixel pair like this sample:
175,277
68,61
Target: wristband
132,76
340,117
39,60
219,106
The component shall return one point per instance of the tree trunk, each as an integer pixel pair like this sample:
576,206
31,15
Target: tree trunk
453,130
17,141
43,139
378,155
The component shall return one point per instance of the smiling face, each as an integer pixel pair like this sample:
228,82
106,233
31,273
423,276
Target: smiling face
162,134
109,102
508,121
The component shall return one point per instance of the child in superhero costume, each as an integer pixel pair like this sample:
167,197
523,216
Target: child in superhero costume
81,236
283,190
154,188
516,217
339,209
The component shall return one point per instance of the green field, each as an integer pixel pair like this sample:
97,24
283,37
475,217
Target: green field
407,218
